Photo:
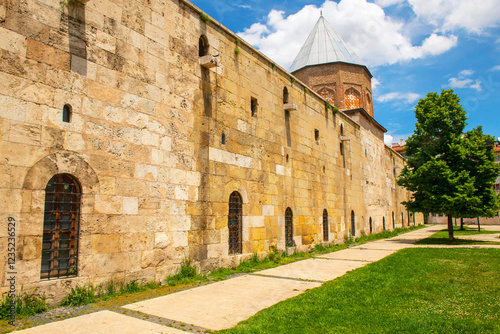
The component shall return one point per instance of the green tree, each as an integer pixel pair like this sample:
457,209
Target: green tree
446,171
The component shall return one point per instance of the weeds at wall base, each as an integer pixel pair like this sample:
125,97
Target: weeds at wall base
27,304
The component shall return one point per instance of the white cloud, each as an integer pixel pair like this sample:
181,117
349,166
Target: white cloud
397,96
388,139
387,3
462,81
465,73
375,37
448,15
495,68
375,83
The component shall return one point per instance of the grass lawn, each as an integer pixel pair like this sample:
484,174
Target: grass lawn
441,237
411,291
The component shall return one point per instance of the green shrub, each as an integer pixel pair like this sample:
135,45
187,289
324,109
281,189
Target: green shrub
27,304
204,17
187,273
131,287
80,295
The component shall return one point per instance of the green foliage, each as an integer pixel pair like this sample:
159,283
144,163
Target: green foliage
448,172
273,65
292,80
306,90
237,50
131,287
327,105
187,273
80,295
204,17
440,238
335,110
237,41
27,304
411,291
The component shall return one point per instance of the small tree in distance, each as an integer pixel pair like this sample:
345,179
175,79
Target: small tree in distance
448,171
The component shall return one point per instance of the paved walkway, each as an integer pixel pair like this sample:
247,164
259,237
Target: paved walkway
223,304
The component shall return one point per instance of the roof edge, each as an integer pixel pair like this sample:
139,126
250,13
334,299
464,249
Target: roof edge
336,62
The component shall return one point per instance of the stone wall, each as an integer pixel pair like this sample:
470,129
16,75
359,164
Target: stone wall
144,141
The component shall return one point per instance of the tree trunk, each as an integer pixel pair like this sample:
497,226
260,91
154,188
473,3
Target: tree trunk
461,224
478,225
450,228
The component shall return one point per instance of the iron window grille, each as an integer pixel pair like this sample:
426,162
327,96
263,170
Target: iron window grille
289,227
60,227
235,223
325,225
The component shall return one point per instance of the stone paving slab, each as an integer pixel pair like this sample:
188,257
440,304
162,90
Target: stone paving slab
223,304
385,245
314,269
103,322
358,254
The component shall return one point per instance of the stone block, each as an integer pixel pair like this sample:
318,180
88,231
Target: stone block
12,41
180,239
106,244
130,205
48,55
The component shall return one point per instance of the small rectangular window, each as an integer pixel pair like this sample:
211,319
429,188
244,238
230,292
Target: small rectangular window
316,134
253,106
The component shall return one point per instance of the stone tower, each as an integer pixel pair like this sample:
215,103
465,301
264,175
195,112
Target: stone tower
329,66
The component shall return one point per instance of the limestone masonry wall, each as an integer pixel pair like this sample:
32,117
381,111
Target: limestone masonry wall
145,144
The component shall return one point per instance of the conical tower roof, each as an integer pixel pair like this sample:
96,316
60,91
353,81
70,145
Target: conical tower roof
323,46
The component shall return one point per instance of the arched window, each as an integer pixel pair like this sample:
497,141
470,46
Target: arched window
328,95
371,225
393,220
325,225
352,99
203,45
288,227
60,227
353,224
66,113
234,222
383,223
285,95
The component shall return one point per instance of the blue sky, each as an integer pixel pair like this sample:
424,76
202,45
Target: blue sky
410,46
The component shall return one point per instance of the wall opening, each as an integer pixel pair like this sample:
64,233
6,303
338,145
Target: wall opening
61,227
234,223
253,106
325,225
203,46
285,95
353,224
66,113
288,227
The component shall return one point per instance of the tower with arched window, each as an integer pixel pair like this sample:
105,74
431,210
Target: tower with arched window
327,64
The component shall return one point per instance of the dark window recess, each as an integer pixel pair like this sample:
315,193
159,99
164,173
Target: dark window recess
66,114
325,225
203,46
383,223
353,224
341,129
288,227
287,128
60,227
234,220
371,225
285,95
287,158
393,220
253,106
316,134
223,139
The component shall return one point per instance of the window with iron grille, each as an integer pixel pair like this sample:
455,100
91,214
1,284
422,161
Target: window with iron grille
288,227
60,227
234,223
325,225
353,224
